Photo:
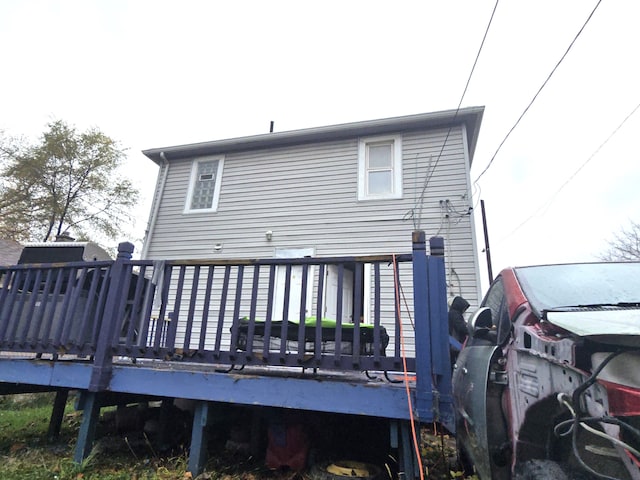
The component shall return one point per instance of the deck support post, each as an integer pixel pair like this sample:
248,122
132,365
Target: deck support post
166,410
198,449
57,414
401,440
90,416
254,446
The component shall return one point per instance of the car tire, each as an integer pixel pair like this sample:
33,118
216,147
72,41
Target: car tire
345,469
540,470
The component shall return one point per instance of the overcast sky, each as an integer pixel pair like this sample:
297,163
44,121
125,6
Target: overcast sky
159,73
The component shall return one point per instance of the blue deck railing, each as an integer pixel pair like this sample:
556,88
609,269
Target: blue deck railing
53,309
234,313
231,313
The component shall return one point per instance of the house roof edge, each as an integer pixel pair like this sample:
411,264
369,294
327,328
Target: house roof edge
470,116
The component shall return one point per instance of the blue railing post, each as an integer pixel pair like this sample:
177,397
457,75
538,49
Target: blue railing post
103,358
433,370
424,390
440,350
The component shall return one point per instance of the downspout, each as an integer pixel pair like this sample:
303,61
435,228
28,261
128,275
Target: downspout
155,206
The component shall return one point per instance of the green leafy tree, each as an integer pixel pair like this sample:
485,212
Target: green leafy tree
625,245
67,181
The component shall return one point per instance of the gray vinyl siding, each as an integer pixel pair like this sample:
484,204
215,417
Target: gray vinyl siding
307,196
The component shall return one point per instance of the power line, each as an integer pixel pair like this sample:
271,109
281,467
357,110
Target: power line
420,201
539,90
548,203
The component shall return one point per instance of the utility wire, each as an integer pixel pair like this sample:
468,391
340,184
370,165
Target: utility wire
572,176
538,92
420,201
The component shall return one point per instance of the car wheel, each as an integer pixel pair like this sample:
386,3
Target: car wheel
345,469
540,470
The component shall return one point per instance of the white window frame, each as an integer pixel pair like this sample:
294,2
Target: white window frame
396,167
194,178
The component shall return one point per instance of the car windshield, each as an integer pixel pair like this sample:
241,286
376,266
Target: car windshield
587,284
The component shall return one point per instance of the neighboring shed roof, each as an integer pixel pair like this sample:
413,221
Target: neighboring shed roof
471,117
9,252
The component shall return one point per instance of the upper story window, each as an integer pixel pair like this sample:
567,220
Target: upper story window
204,187
380,168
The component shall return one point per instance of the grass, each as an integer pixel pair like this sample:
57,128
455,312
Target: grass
27,454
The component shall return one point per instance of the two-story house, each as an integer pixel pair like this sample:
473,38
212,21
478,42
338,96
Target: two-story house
352,189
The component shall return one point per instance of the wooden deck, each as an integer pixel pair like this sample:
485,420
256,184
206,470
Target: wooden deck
285,387
204,331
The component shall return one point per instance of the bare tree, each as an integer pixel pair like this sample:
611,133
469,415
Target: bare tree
625,246
66,181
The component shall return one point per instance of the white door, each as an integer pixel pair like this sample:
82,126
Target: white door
331,294
295,288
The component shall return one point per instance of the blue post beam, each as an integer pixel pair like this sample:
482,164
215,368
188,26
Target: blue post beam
90,417
57,414
433,369
407,454
102,366
400,440
440,349
424,389
198,449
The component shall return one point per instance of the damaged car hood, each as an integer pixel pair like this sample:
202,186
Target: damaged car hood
601,322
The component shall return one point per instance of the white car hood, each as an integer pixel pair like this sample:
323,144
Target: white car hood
598,322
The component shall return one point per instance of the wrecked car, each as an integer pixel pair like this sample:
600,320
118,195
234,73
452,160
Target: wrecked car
547,385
